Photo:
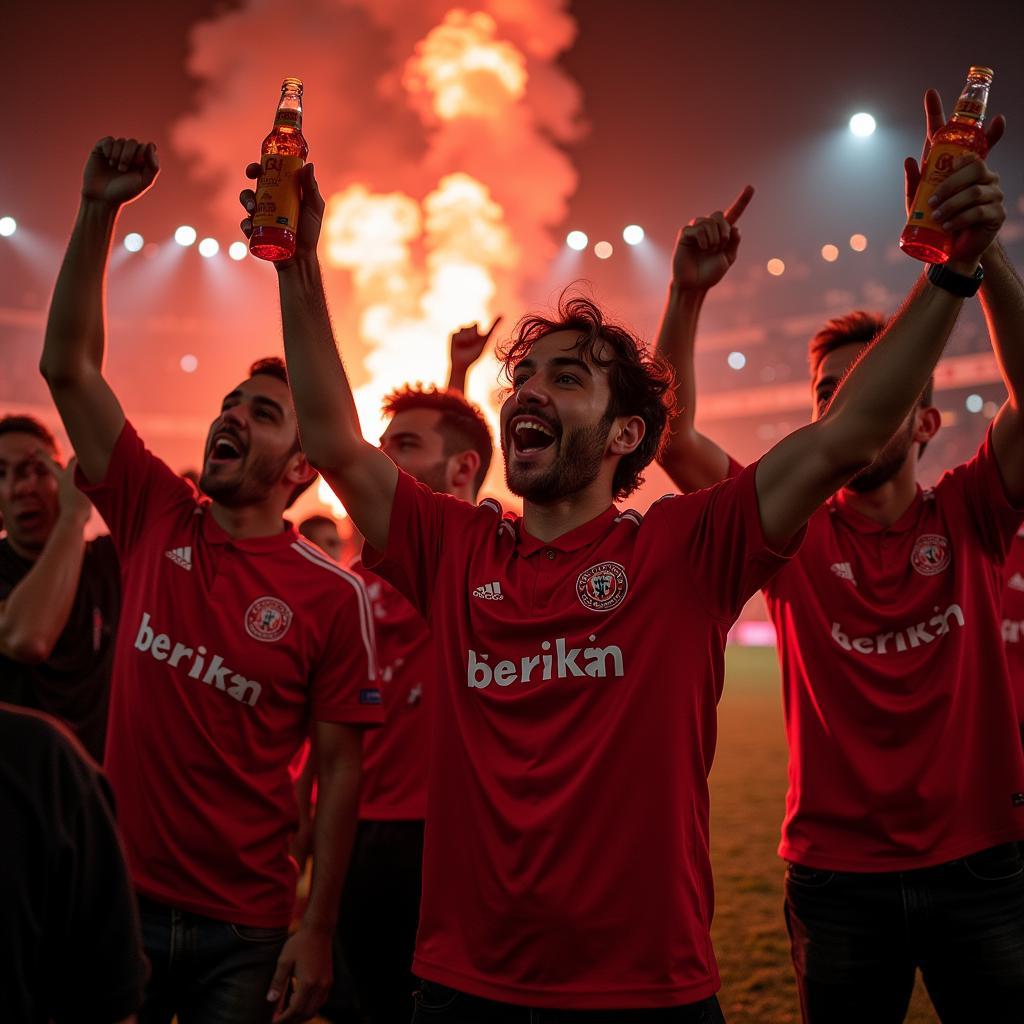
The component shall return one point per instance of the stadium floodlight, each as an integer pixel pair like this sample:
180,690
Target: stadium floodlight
577,240
632,234
134,242
862,125
238,250
185,235
737,360
974,403
8,225
603,250
189,363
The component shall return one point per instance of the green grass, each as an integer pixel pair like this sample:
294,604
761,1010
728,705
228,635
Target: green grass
748,788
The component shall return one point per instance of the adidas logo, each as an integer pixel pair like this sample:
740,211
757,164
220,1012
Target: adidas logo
181,556
844,571
490,592
1016,582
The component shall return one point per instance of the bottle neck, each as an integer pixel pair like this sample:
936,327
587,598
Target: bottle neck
970,108
289,111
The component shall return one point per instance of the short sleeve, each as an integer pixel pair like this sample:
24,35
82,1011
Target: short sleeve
980,485
717,537
420,522
345,685
136,482
102,965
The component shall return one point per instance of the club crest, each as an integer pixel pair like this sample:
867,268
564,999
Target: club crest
602,587
267,619
931,554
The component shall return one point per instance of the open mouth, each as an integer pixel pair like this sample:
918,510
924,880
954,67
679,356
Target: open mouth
530,435
225,449
30,518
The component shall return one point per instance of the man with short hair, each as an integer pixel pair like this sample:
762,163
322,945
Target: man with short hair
323,532
580,647
906,793
60,595
237,638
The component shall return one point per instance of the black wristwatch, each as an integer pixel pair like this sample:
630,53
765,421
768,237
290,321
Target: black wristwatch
959,284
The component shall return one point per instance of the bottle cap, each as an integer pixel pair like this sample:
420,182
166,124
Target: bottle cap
982,72
296,83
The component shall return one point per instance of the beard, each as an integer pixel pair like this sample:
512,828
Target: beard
889,462
247,484
575,467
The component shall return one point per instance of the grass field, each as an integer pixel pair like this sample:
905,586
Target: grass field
748,787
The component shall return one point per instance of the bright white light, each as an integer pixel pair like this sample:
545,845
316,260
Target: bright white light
776,267
633,234
134,242
974,403
8,225
862,125
185,235
209,247
603,250
858,242
829,253
577,240
189,363
737,360
238,250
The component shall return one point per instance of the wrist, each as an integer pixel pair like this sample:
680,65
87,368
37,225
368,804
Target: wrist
693,294
90,206
318,926
965,268
73,518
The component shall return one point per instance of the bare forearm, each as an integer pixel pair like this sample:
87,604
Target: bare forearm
1002,299
75,326
676,338
37,609
328,421
457,378
333,832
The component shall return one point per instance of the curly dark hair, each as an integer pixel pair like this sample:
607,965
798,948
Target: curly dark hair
463,427
641,384
14,424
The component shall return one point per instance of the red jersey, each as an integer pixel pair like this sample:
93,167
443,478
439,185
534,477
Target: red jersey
393,785
227,649
1013,621
573,727
904,749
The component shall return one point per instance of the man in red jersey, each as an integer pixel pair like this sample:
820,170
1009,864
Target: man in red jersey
558,711
441,440
906,773
235,635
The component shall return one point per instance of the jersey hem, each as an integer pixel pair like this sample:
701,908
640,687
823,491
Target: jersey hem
560,998
230,915
877,864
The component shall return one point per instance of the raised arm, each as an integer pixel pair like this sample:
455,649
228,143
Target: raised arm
1002,299
34,613
362,476
705,250
117,172
467,346
875,397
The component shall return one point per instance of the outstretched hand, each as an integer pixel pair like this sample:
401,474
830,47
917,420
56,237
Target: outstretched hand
706,248
311,213
468,343
118,171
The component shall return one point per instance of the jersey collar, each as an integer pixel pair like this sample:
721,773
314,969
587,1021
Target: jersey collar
213,533
583,535
840,503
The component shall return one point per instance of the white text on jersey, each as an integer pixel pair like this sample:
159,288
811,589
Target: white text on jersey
558,665
900,639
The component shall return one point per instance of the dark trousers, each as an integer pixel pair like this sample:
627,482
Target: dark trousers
206,971
380,910
857,940
440,1003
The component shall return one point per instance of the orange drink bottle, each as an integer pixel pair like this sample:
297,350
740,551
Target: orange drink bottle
276,217
923,238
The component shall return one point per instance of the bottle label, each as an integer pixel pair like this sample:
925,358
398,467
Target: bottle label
970,108
277,192
288,118
938,167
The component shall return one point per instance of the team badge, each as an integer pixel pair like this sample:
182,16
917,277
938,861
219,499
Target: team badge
602,587
267,619
931,554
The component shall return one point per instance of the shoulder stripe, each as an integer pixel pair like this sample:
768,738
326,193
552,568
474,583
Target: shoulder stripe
664,497
506,525
313,555
492,505
631,514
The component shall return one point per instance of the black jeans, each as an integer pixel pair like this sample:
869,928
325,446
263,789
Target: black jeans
206,971
857,940
440,1003
380,909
